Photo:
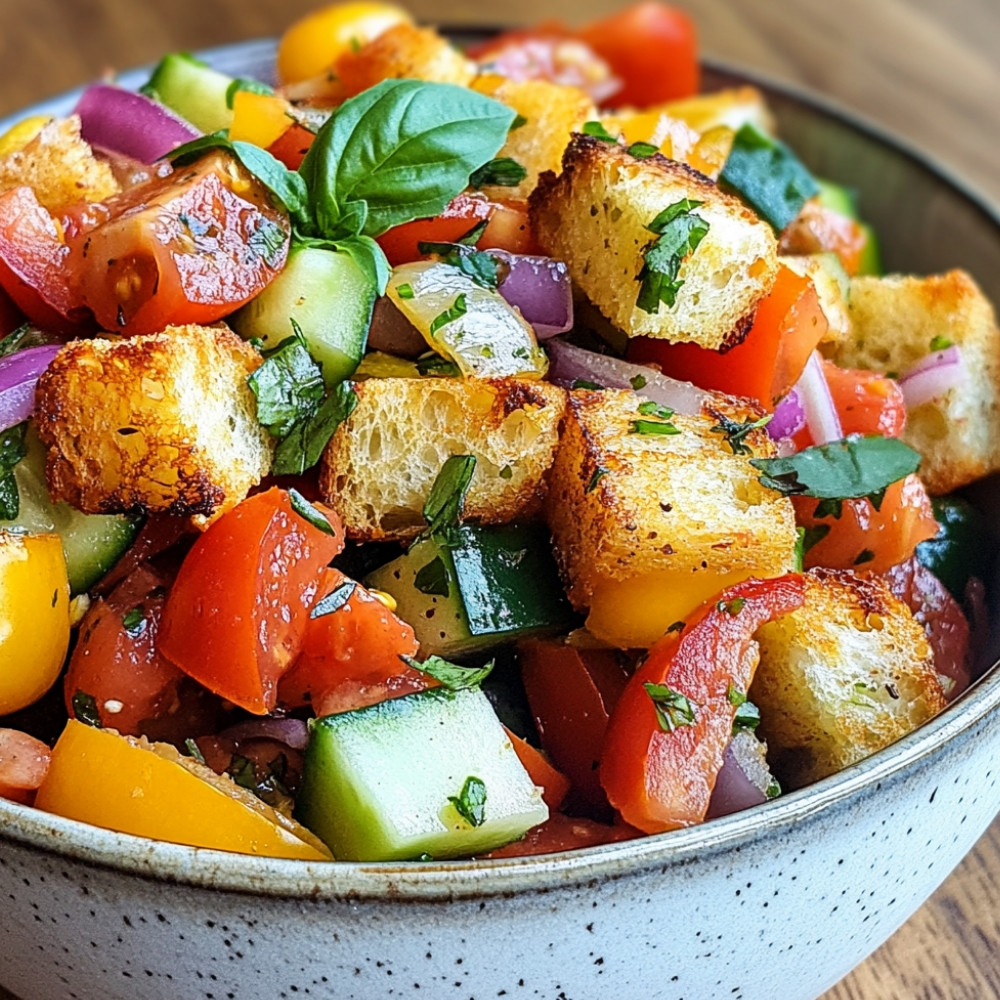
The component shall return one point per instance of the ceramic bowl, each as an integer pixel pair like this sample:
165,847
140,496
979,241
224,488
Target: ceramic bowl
780,901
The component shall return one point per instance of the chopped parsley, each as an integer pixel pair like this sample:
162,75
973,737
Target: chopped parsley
134,622
661,425
506,472
582,383
446,498
470,803
638,382
747,718
405,291
673,709
85,709
193,750
679,231
736,432
940,343
598,131
643,150
451,675
731,608
457,311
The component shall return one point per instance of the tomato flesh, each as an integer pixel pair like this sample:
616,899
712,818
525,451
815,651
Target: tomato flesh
24,762
237,612
661,779
190,247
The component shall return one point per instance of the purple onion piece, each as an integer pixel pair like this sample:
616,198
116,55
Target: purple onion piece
744,779
789,417
931,377
292,732
18,375
129,123
817,402
541,288
571,364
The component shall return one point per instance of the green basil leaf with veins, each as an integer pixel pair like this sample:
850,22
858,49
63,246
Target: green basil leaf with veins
444,504
289,388
405,148
842,470
302,447
453,676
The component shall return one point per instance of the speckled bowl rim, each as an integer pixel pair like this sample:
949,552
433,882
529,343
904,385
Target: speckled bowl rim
416,881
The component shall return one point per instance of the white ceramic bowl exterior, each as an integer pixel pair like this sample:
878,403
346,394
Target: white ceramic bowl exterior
779,902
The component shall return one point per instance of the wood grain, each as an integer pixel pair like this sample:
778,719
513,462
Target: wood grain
928,70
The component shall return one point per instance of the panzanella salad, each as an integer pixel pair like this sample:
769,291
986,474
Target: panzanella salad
446,453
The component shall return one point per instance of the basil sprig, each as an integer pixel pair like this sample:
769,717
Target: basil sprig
396,152
842,470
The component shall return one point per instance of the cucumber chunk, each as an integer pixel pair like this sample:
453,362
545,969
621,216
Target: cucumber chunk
193,89
378,783
496,584
328,296
92,543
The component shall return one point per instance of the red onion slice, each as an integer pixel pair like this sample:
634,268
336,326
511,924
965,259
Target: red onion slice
814,393
932,376
541,288
789,417
129,123
744,779
292,732
570,364
18,375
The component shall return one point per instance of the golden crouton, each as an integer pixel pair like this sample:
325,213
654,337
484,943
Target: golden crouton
649,525
164,422
847,674
59,166
551,113
403,51
595,217
380,464
898,320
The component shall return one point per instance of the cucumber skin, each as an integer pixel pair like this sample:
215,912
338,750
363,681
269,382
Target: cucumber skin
376,782
504,585
193,90
328,296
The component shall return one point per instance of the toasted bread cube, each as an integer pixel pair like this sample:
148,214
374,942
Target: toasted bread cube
648,526
552,113
403,51
164,423
59,166
595,215
379,466
847,674
894,322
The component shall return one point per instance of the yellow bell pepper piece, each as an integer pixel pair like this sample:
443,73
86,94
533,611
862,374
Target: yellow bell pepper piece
149,789
312,44
18,136
259,118
34,617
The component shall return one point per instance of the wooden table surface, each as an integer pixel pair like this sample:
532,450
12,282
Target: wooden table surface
929,70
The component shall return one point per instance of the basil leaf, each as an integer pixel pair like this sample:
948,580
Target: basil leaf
679,233
368,255
479,265
12,450
433,578
403,147
673,709
309,513
768,176
501,172
304,445
247,84
286,185
470,803
447,496
451,675
289,388
843,470
642,150
598,131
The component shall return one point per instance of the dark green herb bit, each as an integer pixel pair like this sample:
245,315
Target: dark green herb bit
676,627
768,176
405,291
457,311
598,131
673,709
679,231
805,539
599,473
747,718
940,343
12,450
453,676
446,498
731,608
304,445
288,386
506,472
193,750
247,84
25,336
843,470
309,513
582,383
433,578
503,171
483,268
134,622
470,803
333,601
773,789
652,427
433,364
85,709
736,432
474,235
864,556
638,382
643,150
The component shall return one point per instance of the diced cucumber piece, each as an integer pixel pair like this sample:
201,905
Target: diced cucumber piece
330,298
380,783
92,543
844,200
496,584
193,89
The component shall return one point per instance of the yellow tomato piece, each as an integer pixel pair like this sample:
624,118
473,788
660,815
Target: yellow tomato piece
312,44
635,613
18,136
149,789
34,617
258,118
